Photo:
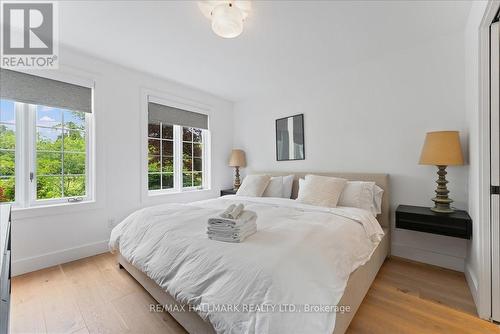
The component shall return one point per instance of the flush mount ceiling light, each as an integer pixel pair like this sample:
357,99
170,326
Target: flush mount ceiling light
227,16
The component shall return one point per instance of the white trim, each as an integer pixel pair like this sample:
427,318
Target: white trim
471,279
32,263
484,224
426,256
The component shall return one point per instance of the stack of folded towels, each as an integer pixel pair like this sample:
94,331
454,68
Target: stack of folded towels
235,224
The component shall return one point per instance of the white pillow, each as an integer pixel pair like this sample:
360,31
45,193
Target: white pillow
377,199
358,194
287,186
253,185
321,190
279,186
274,188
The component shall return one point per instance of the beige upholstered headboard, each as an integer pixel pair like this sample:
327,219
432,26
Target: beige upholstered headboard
382,180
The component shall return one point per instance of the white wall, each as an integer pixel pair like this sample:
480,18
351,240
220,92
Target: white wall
372,117
44,237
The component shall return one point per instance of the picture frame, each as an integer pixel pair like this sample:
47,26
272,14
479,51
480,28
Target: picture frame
290,143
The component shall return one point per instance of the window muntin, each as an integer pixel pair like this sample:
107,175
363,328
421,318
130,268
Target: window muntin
60,153
7,151
55,149
192,157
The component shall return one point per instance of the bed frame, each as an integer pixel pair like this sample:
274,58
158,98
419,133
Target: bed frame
358,285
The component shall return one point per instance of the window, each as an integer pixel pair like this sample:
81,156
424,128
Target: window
176,149
60,153
7,151
44,141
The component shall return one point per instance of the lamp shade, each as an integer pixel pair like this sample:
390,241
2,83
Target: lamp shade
442,148
237,159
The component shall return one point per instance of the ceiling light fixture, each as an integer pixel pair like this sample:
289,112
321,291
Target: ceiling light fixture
227,16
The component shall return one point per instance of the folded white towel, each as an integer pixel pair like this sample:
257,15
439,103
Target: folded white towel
229,229
242,218
227,212
238,209
234,237
232,230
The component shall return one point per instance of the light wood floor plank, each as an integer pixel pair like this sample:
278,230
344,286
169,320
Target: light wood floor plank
93,295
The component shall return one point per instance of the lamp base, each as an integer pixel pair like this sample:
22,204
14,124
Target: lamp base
442,203
237,182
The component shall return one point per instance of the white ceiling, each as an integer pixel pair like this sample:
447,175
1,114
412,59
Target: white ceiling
284,42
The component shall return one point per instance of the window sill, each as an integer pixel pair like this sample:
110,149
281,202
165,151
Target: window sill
177,192
183,196
21,213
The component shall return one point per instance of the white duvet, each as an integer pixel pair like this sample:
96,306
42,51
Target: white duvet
300,257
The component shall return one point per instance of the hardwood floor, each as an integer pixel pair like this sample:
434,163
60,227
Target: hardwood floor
93,296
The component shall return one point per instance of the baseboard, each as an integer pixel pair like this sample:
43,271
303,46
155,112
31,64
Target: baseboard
471,278
29,264
426,256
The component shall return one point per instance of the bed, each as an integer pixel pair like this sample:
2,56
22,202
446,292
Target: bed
201,281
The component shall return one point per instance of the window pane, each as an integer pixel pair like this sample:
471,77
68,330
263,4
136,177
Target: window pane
74,119
187,179
7,136
48,187
154,163
48,163
74,140
197,135
154,146
48,116
74,186
167,131
197,150
7,111
7,189
197,164
154,129
48,139
187,150
197,179
74,163
167,181
187,134
7,163
154,181
168,148
187,164
168,164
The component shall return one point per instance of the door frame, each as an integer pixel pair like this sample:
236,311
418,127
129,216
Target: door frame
483,301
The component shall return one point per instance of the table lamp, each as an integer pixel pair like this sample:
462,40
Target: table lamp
237,160
442,149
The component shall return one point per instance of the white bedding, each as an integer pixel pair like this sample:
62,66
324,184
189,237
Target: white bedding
300,255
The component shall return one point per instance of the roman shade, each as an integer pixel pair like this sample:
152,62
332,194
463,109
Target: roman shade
170,115
32,89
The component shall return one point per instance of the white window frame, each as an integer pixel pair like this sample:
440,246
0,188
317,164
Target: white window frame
178,173
25,155
184,104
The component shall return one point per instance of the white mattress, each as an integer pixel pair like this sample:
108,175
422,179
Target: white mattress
301,257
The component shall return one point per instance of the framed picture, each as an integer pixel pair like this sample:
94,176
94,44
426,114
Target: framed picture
290,138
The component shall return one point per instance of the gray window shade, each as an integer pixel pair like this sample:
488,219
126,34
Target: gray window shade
37,90
175,116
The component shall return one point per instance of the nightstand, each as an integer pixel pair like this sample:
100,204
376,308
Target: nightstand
416,218
227,192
